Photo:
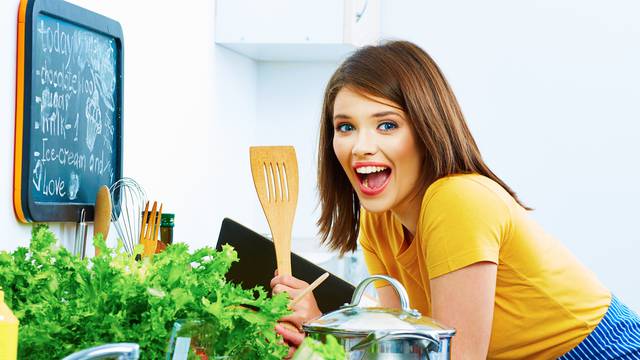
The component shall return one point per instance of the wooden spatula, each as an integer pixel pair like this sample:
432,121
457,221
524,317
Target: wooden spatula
102,214
275,176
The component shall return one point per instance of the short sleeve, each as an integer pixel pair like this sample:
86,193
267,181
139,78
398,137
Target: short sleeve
463,222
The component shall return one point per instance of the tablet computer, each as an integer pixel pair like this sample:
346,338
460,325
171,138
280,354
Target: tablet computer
258,263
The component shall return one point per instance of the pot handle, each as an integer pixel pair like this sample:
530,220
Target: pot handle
402,293
124,351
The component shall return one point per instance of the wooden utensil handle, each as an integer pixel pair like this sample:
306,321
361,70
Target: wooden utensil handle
282,243
284,262
309,289
102,214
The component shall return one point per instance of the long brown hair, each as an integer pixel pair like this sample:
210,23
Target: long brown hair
405,74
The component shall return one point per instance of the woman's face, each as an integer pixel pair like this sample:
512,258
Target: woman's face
376,147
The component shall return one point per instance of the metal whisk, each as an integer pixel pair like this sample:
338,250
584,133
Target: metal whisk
128,199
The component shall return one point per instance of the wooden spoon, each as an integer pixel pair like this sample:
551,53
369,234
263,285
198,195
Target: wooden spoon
275,176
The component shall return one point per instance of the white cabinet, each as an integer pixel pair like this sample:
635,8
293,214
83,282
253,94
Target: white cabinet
296,30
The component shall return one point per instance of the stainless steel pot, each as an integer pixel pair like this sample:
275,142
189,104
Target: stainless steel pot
383,333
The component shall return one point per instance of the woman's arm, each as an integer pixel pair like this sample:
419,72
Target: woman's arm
464,300
387,297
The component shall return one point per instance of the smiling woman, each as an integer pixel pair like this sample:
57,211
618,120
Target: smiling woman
400,174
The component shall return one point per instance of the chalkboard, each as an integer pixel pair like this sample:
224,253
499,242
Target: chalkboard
70,126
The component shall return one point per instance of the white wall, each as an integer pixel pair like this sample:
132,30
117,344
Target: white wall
289,104
550,91
13,234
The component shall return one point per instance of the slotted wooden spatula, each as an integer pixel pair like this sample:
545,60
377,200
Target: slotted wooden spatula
275,176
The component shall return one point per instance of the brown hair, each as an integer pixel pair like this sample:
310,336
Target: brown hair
403,73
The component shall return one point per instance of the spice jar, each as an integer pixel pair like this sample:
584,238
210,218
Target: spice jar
166,228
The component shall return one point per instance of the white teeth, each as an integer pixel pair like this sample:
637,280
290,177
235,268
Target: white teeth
370,169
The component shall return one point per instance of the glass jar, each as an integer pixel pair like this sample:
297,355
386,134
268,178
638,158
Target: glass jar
166,228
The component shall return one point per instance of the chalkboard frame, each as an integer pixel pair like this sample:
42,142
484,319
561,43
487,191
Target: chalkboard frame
26,209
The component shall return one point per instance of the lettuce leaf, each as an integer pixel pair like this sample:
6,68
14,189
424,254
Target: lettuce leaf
312,349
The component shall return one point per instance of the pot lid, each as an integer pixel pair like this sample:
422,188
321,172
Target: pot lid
362,321
351,319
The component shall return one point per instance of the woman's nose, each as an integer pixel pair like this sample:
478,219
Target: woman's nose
364,145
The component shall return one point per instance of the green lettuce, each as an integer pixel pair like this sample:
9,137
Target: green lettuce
66,304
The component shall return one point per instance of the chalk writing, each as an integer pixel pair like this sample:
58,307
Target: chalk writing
74,89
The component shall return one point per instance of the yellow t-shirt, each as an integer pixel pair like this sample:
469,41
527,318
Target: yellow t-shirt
546,302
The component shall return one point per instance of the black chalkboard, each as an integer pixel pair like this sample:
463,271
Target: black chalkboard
71,112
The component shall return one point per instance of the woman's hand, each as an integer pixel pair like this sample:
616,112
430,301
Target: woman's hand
306,309
292,337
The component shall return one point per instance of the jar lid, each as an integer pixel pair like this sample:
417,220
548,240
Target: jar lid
167,219
351,319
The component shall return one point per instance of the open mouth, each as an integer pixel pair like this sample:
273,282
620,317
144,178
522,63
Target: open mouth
373,179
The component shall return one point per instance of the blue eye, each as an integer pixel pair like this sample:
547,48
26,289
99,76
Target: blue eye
387,126
344,127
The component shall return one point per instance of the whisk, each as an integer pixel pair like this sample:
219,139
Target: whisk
128,199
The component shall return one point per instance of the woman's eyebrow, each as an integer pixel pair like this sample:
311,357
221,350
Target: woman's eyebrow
385,113
376,115
341,116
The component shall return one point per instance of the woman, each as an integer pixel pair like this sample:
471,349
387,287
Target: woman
400,172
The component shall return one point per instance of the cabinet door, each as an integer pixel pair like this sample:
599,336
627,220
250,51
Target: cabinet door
280,21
